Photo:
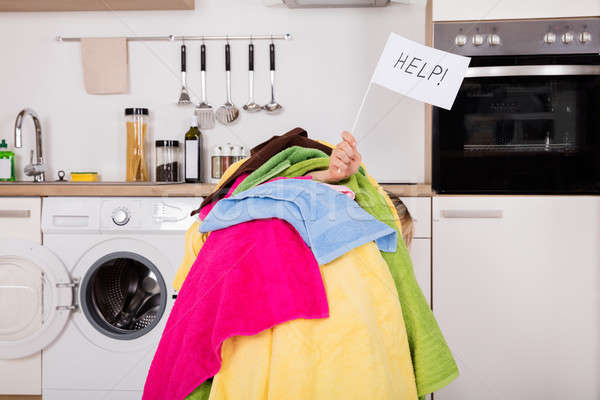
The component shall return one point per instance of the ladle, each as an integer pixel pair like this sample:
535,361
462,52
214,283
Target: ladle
273,106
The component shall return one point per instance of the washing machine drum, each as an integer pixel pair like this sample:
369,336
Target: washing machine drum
123,295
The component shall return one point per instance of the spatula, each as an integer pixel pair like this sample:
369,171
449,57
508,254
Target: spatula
204,111
184,97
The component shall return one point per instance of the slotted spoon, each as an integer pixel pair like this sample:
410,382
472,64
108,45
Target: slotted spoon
251,106
227,113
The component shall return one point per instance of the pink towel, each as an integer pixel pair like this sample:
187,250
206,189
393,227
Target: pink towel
246,278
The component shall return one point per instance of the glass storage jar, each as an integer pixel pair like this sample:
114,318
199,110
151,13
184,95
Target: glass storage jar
136,122
168,161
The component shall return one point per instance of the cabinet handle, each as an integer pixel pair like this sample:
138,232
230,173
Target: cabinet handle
15,213
472,214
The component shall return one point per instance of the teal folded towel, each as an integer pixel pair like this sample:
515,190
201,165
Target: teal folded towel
329,222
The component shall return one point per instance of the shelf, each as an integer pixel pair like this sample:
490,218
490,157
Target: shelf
94,5
123,189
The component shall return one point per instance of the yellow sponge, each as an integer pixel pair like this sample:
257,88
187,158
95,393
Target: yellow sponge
84,177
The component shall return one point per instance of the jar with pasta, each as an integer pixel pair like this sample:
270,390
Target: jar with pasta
137,169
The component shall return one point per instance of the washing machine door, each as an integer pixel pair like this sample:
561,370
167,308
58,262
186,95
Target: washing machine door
36,298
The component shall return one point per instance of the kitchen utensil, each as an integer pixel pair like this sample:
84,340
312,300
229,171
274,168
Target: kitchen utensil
184,97
204,111
227,113
273,106
251,106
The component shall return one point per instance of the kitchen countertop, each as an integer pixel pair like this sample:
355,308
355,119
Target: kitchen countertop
122,189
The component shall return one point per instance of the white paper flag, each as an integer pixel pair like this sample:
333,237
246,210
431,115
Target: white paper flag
420,72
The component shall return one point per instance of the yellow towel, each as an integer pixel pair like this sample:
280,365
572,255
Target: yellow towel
359,352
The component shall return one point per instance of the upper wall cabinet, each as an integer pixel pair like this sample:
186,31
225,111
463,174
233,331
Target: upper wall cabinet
94,5
468,10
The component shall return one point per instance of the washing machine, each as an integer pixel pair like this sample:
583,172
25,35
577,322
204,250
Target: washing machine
107,266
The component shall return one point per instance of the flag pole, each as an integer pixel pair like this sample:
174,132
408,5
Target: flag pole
362,104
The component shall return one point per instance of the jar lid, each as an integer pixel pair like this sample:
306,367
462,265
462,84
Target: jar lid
167,143
136,111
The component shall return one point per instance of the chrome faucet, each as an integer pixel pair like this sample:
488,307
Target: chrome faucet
38,169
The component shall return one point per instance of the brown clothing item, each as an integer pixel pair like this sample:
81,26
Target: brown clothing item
261,154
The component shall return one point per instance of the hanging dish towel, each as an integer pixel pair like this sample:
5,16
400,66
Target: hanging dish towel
105,65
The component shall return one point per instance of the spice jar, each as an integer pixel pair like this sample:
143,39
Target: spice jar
216,164
237,153
227,158
136,122
168,161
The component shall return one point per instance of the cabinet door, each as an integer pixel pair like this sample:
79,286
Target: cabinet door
20,219
449,10
516,291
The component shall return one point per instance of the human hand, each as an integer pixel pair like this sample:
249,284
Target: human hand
344,161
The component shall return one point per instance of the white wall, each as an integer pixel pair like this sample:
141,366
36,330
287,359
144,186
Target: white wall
322,75
447,10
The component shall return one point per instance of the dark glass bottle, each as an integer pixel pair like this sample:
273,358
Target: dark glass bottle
193,154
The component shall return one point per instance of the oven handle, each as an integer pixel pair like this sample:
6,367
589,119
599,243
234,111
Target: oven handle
532,70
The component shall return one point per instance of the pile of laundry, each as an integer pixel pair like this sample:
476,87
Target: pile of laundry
295,289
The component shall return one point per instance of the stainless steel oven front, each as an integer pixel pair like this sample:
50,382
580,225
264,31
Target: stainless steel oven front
527,116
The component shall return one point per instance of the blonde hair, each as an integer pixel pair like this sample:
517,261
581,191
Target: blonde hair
406,220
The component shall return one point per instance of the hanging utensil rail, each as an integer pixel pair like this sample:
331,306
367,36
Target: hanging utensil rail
172,38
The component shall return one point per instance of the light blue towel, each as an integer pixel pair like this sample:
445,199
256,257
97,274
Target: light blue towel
330,223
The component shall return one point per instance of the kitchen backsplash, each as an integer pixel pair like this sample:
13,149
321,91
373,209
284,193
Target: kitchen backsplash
322,74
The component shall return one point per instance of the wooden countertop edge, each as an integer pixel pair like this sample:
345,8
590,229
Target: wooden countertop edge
163,190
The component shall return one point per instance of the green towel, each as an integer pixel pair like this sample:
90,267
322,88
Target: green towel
202,392
432,360
278,163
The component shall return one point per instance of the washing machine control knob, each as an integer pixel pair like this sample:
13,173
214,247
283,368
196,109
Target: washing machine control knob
120,216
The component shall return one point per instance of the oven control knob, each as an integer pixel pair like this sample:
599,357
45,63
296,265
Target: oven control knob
549,38
567,37
494,40
585,37
460,40
120,216
477,39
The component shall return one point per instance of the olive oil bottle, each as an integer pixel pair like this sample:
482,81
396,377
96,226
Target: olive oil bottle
193,153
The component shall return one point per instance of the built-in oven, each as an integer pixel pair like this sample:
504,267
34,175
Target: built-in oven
527,116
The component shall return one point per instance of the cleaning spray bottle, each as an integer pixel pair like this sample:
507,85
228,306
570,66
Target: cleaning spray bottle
7,163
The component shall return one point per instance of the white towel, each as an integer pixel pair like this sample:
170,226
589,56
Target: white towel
105,65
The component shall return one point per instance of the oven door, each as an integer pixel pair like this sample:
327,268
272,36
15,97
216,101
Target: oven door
521,124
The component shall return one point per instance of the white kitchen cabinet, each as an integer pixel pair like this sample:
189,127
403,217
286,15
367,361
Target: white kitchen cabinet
467,10
516,291
19,219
